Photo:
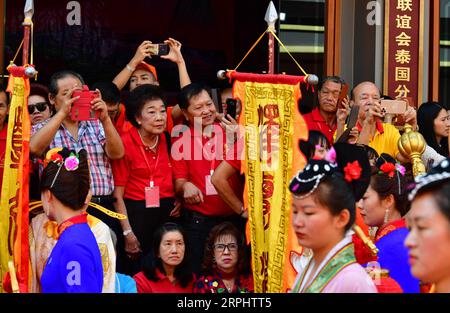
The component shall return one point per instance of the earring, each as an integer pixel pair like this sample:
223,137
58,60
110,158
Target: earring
386,216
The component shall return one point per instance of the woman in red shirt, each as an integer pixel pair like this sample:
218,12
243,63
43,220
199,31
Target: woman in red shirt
225,262
143,177
166,269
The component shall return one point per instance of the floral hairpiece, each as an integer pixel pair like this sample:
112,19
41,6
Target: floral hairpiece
53,156
390,169
71,163
352,171
331,156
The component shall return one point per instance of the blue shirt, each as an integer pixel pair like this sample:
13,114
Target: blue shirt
125,284
75,264
393,256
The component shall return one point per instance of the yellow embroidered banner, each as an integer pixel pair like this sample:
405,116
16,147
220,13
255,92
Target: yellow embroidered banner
15,196
273,128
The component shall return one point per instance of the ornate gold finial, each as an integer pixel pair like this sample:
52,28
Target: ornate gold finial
373,249
412,145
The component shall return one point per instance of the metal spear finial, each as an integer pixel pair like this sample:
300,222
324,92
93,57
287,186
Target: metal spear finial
29,9
271,14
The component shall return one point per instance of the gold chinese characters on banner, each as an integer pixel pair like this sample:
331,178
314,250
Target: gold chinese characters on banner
403,62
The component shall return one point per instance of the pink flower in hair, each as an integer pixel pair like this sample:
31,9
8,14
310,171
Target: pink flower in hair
71,163
331,155
400,168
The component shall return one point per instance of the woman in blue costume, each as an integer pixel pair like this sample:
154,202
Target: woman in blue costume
384,206
74,264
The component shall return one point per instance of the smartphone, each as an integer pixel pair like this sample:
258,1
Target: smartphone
342,96
394,106
159,49
231,107
81,109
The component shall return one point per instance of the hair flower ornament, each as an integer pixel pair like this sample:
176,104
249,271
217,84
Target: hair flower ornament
331,156
57,158
352,171
388,169
54,156
400,168
71,163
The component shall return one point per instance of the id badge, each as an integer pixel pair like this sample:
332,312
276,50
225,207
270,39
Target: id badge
152,197
210,189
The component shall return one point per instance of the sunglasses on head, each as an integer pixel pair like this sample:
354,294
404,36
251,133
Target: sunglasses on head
41,106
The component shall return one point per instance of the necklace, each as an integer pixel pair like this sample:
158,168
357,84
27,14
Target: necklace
150,147
229,286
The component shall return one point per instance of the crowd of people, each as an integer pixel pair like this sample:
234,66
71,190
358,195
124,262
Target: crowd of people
166,169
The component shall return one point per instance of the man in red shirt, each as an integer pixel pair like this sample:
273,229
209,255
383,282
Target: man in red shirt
4,107
138,72
196,153
323,117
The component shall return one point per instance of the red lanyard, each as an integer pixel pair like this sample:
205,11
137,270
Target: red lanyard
152,173
213,161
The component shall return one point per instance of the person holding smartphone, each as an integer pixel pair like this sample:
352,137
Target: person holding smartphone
137,72
98,137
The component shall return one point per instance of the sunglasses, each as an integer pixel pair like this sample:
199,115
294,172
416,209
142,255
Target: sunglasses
41,106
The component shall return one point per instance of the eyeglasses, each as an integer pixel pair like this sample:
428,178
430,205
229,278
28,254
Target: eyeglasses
220,247
41,107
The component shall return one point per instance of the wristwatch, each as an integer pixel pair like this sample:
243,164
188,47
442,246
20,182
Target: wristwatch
129,68
127,232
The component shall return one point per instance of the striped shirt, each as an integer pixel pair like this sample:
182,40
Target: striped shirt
91,137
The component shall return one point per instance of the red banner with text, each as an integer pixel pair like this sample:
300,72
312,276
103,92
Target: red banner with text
403,60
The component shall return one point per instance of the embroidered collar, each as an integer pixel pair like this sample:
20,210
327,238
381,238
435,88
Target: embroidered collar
390,227
342,245
79,219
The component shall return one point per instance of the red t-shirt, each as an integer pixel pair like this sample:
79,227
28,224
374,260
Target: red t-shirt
163,285
193,165
235,156
3,135
121,124
133,173
315,121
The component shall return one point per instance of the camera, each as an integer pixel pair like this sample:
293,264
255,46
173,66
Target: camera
81,109
159,49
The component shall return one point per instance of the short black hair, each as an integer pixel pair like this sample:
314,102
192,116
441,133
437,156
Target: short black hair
110,92
334,79
53,85
138,98
190,91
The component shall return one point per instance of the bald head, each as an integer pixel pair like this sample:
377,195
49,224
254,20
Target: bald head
365,88
365,94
